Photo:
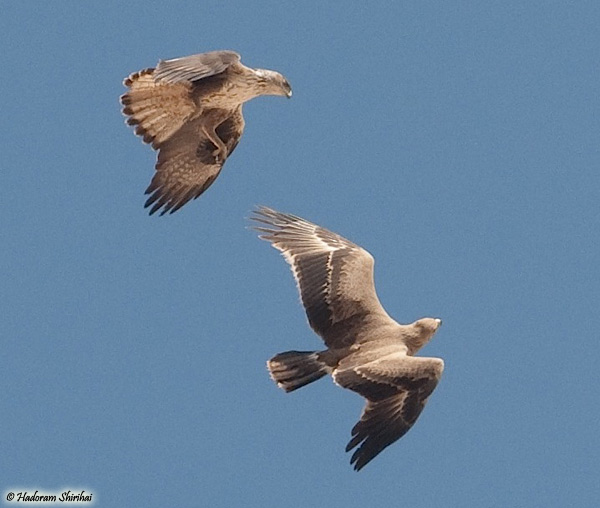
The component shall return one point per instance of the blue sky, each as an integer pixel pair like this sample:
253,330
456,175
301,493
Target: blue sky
456,141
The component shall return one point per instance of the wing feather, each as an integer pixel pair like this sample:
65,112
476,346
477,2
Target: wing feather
186,166
334,276
195,67
158,110
396,388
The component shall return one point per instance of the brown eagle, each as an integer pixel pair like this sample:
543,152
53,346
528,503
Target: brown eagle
190,110
368,352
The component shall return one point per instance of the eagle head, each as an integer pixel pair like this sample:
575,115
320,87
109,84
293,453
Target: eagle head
423,331
428,326
273,83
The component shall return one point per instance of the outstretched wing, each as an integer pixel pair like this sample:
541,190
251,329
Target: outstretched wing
396,388
187,165
334,276
195,67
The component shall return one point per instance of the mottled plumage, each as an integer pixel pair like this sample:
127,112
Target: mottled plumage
190,110
368,352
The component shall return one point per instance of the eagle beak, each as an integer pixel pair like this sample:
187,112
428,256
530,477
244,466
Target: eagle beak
289,94
439,322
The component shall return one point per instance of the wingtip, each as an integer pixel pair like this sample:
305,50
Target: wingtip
275,218
261,214
262,210
357,462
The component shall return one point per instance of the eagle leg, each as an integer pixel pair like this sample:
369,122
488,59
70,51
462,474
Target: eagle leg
220,153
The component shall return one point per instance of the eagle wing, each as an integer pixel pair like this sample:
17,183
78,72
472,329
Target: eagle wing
186,164
396,387
334,276
156,109
160,101
195,67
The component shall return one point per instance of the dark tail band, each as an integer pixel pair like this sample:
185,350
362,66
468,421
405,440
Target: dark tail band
294,369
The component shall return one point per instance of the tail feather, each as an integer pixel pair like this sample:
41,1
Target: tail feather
294,369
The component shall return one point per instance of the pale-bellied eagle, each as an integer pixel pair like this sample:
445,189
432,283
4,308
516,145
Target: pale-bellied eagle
190,110
367,351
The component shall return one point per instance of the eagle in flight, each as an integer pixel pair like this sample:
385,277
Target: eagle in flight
190,110
367,351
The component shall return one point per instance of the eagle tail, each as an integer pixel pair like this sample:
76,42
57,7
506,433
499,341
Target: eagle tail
294,369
